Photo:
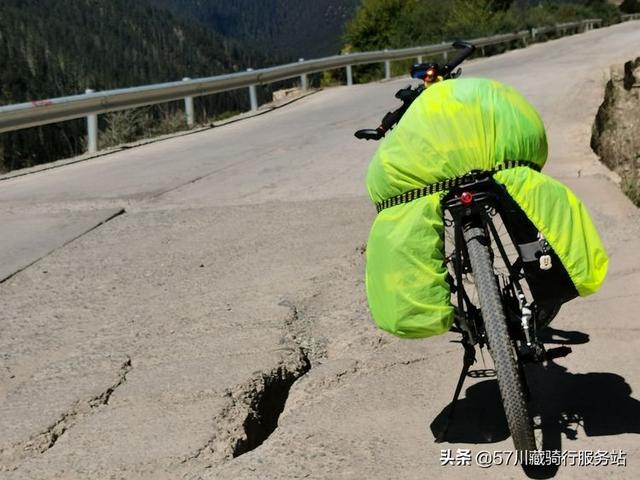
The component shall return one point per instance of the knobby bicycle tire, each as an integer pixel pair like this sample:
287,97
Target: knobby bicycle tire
500,346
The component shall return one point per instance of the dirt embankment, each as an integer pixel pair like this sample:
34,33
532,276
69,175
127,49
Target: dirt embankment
616,131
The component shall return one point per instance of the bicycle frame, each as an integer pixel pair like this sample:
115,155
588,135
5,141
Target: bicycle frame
502,315
474,204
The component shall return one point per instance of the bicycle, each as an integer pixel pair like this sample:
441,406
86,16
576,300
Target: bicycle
511,299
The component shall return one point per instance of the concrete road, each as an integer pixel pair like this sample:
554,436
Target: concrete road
165,342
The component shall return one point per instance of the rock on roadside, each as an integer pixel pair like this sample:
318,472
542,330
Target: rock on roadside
615,130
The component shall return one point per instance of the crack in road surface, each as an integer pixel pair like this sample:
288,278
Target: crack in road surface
298,330
252,412
44,441
116,214
104,397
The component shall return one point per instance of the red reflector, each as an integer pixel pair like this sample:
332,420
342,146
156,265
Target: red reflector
466,198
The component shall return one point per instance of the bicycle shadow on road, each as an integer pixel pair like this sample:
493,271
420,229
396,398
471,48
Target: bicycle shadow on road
601,403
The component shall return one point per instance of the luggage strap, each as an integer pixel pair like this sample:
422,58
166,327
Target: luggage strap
449,183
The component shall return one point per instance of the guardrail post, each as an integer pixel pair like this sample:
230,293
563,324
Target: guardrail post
387,68
92,129
349,75
303,78
253,96
534,32
188,108
419,59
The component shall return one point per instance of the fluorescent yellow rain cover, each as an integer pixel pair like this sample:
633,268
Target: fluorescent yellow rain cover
454,127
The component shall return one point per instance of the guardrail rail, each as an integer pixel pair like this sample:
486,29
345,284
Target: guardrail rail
91,104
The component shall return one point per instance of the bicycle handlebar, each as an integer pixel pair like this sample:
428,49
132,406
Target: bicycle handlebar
369,134
467,50
408,95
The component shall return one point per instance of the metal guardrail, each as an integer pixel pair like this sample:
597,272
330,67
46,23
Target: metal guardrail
630,16
89,105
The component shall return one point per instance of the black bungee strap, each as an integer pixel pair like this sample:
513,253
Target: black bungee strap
449,183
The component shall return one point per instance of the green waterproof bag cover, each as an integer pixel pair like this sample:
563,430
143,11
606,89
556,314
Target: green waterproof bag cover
454,127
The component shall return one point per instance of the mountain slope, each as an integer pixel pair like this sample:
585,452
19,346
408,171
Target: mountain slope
52,48
60,47
291,28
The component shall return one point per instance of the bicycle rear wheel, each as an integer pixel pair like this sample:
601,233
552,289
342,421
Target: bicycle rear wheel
501,348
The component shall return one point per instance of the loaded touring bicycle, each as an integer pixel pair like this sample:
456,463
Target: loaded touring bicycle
469,234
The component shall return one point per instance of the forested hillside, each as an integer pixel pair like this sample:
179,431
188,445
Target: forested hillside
292,28
381,24
51,48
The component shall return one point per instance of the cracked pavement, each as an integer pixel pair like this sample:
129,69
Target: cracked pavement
161,344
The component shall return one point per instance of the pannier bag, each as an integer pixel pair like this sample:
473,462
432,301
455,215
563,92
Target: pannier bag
452,128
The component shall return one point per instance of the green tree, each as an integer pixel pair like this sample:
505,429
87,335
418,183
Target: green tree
469,18
603,9
380,24
501,5
630,6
